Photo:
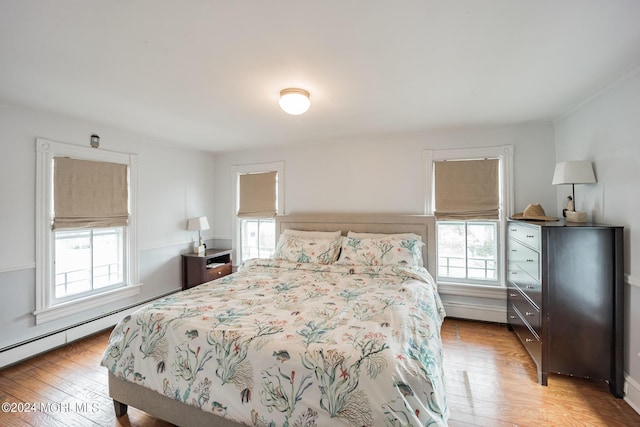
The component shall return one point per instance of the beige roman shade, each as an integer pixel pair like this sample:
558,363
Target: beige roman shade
467,189
89,194
257,195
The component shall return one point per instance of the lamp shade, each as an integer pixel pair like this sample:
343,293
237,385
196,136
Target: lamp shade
573,172
294,101
198,223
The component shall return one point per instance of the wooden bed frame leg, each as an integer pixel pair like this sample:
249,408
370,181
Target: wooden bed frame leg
120,408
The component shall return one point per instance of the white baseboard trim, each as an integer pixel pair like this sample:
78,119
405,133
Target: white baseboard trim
476,312
49,342
33,348
632,393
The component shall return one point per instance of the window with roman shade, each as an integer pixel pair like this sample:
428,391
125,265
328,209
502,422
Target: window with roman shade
470,191
89,194
257,195
467,189
86,245
258,198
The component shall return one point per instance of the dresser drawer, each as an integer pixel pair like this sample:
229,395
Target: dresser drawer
216,273
529,285
524,257
529,312
527,234
528,338
521,280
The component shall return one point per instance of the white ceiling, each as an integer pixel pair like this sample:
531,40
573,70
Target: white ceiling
207,73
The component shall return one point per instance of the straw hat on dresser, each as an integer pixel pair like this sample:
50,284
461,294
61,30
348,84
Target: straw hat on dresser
534,212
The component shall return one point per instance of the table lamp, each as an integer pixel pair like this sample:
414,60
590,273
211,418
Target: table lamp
574,172
198,224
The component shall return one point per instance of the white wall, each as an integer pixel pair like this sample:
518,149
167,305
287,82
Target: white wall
174,184
606,130
388,176
385,176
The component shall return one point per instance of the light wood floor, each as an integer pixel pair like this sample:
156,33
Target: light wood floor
490,382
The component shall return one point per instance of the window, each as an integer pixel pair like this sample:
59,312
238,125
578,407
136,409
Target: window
468,251
85,255
88,261
470,228
258,238
259,197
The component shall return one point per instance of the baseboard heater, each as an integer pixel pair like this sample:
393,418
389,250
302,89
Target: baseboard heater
26,349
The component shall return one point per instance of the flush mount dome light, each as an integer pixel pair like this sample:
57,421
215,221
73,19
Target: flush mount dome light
294,101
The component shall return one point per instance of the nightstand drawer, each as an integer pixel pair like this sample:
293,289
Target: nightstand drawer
197,269
527,234
216,273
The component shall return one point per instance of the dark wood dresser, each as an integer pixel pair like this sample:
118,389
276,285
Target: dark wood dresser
565,298
197,269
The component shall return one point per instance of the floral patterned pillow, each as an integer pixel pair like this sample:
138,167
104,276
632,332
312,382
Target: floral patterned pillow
381,251
295,248
402,236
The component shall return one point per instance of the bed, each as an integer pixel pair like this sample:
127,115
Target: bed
338,328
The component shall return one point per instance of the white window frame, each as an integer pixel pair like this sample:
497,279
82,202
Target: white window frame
466,279
46,310
505,154
278,167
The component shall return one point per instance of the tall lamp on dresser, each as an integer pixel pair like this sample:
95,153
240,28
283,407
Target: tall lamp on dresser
565,297
574,172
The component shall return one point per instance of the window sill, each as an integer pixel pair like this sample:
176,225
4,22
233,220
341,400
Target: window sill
60,311
477,291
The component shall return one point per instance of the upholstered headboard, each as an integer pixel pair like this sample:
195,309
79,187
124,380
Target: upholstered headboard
421,225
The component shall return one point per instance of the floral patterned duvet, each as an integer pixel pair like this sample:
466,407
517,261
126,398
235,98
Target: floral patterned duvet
285,344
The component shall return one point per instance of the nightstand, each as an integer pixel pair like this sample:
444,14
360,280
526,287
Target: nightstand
197,269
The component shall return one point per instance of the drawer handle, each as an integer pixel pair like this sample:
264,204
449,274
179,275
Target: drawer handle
514,250
219,273
514,272
530,287
528,340
513,295
528,313
514,229
530,236
529,260
512,317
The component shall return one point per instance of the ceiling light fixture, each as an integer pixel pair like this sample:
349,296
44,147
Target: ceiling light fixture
294,101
